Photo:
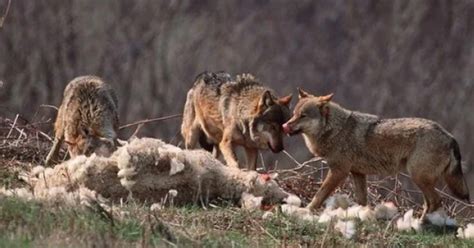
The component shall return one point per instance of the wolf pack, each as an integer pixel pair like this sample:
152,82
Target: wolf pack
223,111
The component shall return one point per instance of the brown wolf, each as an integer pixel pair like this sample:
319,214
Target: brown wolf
362,144
87,119
225,112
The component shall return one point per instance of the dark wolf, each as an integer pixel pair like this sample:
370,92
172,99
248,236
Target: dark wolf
224,112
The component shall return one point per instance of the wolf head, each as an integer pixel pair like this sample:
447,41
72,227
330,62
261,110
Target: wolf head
88,141
310,114
266,123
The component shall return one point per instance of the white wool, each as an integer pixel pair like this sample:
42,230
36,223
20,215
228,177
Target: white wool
310,218
356,211
167,148
267,215
77,162
346,228
176,166
78,166
123,158
340,213
86,195
173,193
294,210
353,211
48,172
23,193
338,201
36,170
466,233
156,207
366,214
293,200
126,172
385,211
299,213
56,193
133,164
407,222
250,202
128,184
325,217
440,218
71,198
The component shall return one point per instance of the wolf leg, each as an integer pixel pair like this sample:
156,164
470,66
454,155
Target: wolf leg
192,137
360,184
251,155
216,152
53,154
431,197
332,180
226,148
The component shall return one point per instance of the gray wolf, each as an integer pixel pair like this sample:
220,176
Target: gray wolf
87,119
359,144
222,112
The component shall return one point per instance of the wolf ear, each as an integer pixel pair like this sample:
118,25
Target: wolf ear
265,101
285,100
326,98
303,94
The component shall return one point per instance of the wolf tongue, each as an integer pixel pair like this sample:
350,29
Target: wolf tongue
286,128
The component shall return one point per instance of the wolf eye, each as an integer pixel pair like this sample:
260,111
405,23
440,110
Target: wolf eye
302,115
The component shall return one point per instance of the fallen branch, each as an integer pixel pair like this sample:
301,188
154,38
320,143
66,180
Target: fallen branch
2,19
300,165
49,106
446,195
12,126
151,120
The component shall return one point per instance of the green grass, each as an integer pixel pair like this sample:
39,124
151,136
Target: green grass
32,224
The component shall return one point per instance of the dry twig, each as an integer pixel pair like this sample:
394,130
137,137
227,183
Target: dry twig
151,120
2,19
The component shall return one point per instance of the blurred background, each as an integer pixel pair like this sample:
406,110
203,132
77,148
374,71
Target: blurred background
390,58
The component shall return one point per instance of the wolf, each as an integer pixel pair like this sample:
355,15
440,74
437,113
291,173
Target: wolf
87,119
221,112
360,144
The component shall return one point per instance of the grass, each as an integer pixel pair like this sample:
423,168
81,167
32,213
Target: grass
31,224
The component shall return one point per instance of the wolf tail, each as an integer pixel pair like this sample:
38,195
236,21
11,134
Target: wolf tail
189,116
454,176
190,132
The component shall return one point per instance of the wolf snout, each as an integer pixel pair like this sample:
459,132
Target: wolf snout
286,128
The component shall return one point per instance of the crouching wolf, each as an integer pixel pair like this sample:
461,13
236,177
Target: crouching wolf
226,112
87,119
361,144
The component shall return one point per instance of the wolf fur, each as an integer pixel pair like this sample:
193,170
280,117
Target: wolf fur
87,119
223,112
359,144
